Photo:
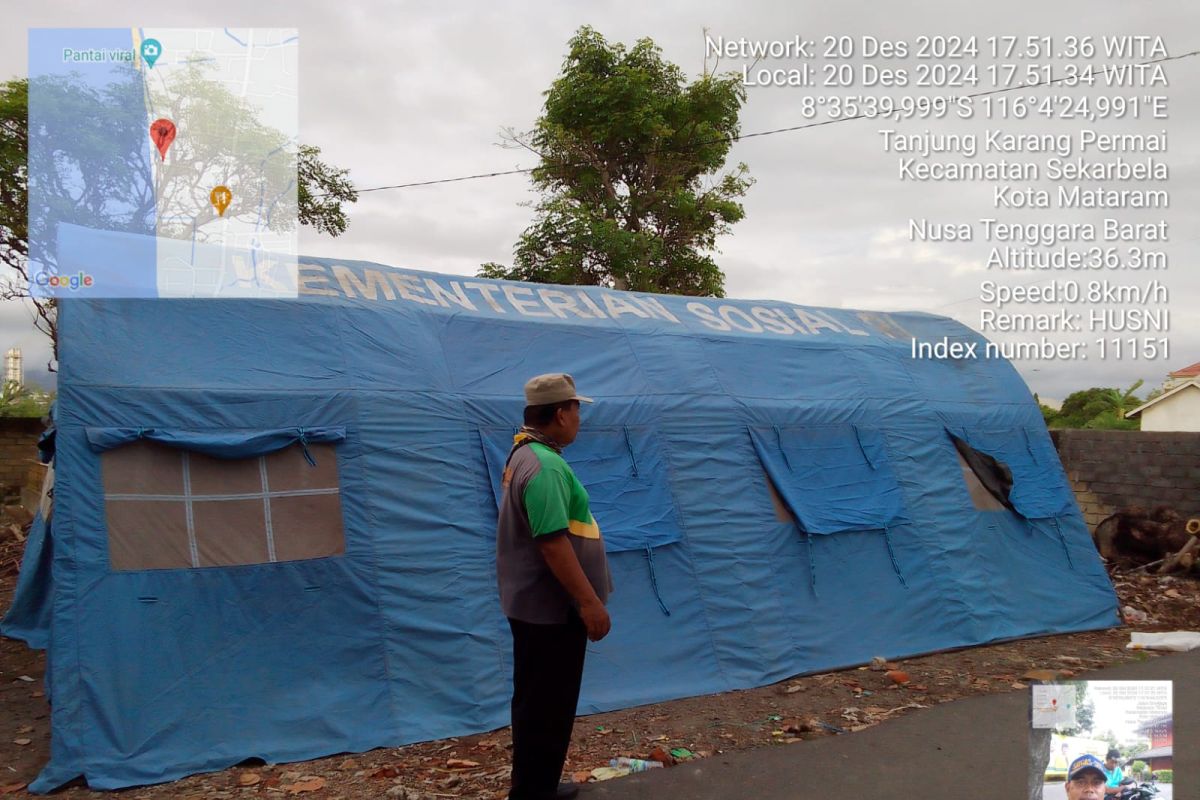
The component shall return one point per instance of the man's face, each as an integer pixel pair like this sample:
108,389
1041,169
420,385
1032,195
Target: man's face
1110,764
1088,786
568,424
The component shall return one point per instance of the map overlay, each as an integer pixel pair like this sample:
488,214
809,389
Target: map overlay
163,162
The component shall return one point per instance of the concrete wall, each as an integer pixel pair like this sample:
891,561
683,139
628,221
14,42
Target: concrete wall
1109,470
19,466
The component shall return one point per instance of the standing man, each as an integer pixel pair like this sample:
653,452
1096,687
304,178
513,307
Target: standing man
554,581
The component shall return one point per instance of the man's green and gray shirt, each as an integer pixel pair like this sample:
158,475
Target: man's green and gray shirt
542,497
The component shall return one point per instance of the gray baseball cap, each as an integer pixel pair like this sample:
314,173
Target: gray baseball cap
554,387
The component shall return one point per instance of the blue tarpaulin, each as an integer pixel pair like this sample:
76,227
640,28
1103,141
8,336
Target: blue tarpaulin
416,381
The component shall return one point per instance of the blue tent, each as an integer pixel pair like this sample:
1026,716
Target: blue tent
273,522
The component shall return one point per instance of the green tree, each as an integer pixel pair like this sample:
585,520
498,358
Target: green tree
108,155
1099,408
1085,711
1048,413
23,400
633,196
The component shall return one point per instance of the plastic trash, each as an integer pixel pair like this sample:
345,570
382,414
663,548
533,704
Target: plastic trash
634,764
1178,641
1133,616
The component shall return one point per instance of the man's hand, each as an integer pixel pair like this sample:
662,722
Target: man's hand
595,619
560,557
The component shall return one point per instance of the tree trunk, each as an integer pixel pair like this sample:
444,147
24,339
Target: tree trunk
1184,558
1039,757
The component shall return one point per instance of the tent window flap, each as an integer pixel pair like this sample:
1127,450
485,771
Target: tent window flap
624,471
1019,467
168,507
831,478
219,444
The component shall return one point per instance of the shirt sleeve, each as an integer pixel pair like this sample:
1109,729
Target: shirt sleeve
547,497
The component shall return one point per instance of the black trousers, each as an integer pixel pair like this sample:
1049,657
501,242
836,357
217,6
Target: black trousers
547,670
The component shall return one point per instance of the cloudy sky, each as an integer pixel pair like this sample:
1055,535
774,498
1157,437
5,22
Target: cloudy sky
404,92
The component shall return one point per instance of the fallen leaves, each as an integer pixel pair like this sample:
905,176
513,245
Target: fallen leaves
22,741
249,779
661,756
308,783
461,763
898,676
12,788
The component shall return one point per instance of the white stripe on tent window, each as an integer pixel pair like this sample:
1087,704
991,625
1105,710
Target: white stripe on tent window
168,508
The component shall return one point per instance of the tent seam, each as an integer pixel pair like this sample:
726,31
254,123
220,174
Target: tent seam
369,533
691,561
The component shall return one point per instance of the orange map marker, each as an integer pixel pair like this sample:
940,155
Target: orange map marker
162,133
221,197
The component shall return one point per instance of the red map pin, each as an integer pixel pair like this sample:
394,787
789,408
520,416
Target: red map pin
162,133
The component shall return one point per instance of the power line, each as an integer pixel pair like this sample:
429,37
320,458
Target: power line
790,129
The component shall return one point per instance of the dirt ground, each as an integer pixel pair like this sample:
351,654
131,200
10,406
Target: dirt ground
785,714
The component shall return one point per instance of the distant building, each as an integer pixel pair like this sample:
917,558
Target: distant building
1161,732
1177,409
1182,376
14,372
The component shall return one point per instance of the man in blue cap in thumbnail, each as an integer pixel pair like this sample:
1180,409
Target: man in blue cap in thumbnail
1086,779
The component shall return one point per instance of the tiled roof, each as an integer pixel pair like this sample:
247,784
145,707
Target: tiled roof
1187,372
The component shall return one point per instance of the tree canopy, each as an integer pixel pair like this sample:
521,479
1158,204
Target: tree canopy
1098,408
631,155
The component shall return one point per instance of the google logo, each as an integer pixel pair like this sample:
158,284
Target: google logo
71,282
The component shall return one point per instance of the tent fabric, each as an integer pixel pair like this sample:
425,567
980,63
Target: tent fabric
28,618
833,478
159,673
1036,493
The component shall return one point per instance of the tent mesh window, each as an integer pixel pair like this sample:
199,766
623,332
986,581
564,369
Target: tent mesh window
981,497
168,508
1018,467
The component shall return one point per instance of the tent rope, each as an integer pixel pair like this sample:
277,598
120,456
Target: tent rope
861,448
654,580
782,452
812,565
303,438
887,539
629,447
1063,539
